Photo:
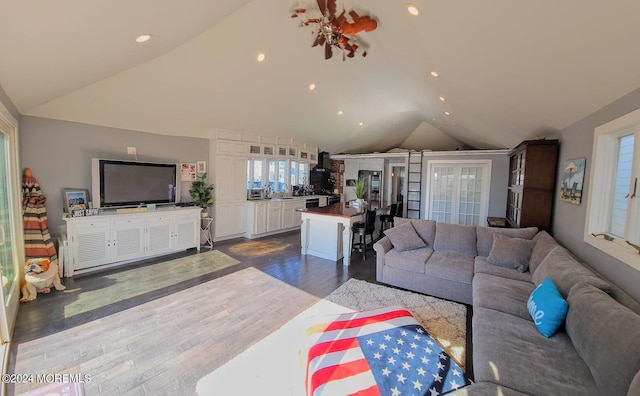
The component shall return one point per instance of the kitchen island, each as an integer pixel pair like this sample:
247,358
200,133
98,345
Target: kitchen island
326,231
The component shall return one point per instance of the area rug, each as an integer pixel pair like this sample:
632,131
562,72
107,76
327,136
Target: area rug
276,365
143,279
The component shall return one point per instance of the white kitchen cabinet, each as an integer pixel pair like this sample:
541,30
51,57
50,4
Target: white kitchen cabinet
290,216
231,179
274,216
107,240
322,201
230,220
231,147
256,218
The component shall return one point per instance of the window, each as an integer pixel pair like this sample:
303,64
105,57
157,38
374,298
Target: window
458,192
255,175
613,210
261,171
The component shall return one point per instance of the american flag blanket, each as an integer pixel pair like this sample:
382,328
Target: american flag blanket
379,352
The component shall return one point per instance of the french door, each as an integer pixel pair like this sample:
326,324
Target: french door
11,246
458,192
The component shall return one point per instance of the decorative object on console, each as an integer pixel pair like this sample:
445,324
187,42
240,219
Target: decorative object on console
75,199
201,193
572,180
336,30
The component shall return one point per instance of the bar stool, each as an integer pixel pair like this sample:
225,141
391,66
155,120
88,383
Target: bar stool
362,229
387,219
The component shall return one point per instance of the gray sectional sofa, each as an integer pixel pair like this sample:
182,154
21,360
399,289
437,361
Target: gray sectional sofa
595,352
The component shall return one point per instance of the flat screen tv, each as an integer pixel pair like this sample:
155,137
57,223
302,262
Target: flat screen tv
117,183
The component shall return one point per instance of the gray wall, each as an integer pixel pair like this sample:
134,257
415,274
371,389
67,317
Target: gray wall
576,141
499,178
59,154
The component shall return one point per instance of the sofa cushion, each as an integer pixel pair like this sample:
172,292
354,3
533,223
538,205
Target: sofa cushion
544,244
456,238
566,271
502,294
634,389
510,252
547,308
605,334
450,266
404,237
485,236
509,351
481,266
485,389
409,260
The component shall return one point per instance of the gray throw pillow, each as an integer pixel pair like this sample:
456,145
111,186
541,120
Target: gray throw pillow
485,236
456,238
510,252
605,335
404,237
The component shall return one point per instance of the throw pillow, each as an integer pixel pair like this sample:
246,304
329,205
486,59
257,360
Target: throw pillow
547,308
510,252
404,237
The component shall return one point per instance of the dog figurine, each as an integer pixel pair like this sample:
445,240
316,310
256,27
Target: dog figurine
40,275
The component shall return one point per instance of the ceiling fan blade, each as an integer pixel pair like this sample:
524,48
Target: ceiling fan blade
331,5
319,40
322,4
327,51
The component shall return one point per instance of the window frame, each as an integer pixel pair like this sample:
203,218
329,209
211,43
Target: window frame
601,195
287,172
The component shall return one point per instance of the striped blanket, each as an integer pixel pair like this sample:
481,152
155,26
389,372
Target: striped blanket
379,352
37,241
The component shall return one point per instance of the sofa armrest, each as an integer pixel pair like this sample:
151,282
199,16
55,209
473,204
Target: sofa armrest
381,248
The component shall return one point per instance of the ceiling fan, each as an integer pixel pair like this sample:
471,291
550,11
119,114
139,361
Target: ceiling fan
337,30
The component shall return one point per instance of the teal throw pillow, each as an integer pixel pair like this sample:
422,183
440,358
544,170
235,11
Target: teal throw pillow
547,308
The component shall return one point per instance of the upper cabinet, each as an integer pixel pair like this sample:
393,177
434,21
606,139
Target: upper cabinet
532,179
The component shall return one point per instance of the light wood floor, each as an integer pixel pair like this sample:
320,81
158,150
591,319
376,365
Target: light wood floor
163,341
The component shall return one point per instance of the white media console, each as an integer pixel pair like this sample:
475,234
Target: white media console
111,239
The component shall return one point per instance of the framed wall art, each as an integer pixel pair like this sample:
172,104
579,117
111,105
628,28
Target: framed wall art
571,189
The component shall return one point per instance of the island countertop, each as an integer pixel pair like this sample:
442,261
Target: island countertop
336,210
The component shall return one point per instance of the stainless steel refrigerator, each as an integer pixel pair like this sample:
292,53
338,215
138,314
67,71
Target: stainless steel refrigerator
374,194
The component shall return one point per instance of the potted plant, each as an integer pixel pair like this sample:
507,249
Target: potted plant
360,190
201,193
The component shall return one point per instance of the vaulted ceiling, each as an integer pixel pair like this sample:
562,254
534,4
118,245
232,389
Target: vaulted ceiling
508,70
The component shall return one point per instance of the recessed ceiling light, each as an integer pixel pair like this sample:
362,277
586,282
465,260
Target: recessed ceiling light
361,123
413,9
312,86
261,57
340,112
442,99
143,38
447,113
434,74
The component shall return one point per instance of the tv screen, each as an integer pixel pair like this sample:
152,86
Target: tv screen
131,183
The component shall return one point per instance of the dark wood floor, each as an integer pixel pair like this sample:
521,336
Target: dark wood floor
162,341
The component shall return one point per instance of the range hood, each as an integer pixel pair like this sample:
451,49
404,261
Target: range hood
324,162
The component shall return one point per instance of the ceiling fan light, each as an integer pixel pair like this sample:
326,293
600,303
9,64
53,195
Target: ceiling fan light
413,9
143,38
